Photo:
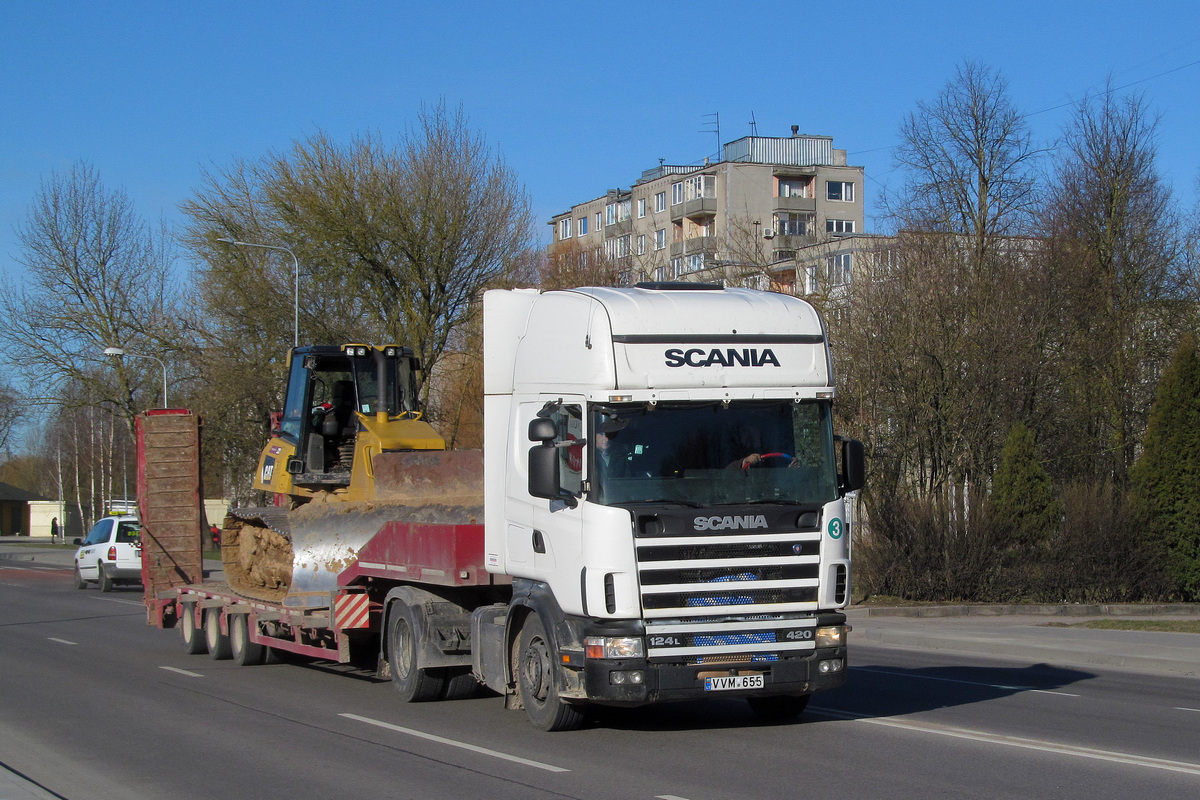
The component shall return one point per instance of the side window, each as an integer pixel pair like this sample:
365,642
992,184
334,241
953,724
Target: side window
568,421
99,532
293,408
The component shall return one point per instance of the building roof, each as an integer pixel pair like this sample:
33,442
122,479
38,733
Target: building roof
11,494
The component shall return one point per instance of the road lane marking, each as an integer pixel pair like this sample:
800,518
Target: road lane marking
959,680
115,600
668,797
189,673
454,743
60,641
1041,745
1185,708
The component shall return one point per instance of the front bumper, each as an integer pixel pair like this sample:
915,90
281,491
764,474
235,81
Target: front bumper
665,682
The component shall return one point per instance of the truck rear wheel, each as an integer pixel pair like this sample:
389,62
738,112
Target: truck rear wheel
193,638
218,643
245,653
535,668
415,684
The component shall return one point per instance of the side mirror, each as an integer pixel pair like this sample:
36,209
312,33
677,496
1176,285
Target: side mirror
854,465
541,429
543,469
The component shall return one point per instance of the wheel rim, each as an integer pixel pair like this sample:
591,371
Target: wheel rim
402,646
535,669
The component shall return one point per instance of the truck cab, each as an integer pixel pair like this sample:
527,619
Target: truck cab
674,504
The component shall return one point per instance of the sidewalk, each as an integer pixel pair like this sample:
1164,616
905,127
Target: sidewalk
1037,634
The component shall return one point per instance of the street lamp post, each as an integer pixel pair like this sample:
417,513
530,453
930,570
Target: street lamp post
295,266
117,351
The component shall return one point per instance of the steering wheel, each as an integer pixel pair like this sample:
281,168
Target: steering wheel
772,455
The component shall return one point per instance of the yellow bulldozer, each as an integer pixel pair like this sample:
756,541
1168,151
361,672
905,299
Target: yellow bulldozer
349,453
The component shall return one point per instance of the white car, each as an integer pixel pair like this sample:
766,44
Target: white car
111,554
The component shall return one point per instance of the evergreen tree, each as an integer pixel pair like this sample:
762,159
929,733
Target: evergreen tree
1023,498
1166,478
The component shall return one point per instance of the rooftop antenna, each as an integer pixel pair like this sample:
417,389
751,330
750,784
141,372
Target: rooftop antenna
753,125
715,122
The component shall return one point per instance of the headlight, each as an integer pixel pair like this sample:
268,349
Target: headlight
614,647
832,636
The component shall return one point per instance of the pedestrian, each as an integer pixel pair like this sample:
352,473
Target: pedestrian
53,529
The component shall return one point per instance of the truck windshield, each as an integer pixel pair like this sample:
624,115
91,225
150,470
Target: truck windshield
710,454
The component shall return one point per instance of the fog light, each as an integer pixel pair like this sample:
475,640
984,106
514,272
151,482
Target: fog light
831,636
623,677
830,666
614,647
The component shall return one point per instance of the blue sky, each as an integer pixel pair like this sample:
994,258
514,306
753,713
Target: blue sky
578,98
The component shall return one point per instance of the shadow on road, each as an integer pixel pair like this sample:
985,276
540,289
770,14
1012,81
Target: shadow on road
870,691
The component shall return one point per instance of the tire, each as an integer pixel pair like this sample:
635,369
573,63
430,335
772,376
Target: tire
218,643
415,684
80,583
194,643
244,652
778,707
460,684
535,667
106,583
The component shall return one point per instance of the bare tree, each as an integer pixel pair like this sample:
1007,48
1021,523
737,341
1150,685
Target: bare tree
1125,292
95,277
970,162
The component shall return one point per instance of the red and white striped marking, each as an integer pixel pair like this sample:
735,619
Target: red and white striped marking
351,611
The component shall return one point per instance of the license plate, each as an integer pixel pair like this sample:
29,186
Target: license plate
727,683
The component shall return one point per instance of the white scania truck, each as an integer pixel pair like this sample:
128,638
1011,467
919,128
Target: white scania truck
663,516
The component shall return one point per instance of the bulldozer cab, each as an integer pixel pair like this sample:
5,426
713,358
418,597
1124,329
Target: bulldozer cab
343,404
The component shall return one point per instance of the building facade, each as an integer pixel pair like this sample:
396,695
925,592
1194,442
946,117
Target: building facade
740,219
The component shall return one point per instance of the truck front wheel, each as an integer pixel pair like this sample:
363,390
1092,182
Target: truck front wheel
415,685
535,668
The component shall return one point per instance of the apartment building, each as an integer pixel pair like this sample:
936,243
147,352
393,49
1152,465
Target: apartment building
739,219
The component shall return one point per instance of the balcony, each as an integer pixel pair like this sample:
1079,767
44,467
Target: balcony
796,204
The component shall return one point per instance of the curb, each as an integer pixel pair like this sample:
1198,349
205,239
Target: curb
1030,610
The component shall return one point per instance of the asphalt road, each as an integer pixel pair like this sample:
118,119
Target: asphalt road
95,704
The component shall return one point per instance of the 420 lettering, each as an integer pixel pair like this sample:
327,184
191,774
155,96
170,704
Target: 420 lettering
797,635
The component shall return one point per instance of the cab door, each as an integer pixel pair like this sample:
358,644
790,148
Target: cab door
557,525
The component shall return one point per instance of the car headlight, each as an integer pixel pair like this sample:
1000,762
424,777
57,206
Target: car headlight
614,647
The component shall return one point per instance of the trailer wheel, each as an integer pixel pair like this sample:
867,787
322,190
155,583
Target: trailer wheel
778,707
193,639
534,664
245,653
218,643
415,684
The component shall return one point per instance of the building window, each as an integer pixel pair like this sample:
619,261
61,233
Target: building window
793,224
676,193
839,268
610,214
660,202
641,207
842,191
693,263
676,267
583,259
699,186
582,226
599,221
660,274
811,283
622,211
564,228
641,244
839,226
660,238
617,247
795,187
